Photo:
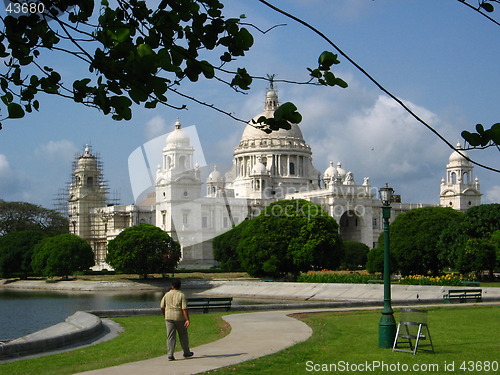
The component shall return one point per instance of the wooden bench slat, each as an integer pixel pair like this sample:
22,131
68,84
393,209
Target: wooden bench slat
462,295
207,303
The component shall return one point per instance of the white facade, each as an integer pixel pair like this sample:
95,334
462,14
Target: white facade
266,168
460,190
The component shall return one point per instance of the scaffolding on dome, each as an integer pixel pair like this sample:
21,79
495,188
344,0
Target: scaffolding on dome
83,199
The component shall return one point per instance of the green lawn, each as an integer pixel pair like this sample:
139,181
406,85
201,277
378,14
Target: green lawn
144,337
347,342
463,336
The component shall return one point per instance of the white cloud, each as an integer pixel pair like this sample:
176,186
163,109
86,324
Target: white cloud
10,181
493,195
4,167
375,137
57,150
156,127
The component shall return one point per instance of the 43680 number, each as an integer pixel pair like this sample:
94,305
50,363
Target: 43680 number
25,8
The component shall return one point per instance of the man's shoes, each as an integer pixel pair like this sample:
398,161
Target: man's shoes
188,355
171,358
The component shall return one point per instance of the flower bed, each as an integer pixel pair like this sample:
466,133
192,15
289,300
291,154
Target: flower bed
363,277
344,277
447,280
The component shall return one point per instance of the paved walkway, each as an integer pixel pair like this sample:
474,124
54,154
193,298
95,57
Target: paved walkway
252,335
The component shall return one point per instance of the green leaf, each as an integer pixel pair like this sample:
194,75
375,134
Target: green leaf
474,139
151,104
7,98
287,111
226,57
340,82
122,34
4,85
488,7
245,39
315,73
327,59
15,110
138,95
494,133
330,78
207,69
144,50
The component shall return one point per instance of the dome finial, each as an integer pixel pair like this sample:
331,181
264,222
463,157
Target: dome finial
271,97
270,77
87,152
178,123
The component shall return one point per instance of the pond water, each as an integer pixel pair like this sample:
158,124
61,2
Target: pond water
23,312
26,311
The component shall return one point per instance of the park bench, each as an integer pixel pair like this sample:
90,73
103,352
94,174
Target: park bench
463,295
206,303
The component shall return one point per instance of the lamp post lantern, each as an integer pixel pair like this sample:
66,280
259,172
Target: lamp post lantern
387,324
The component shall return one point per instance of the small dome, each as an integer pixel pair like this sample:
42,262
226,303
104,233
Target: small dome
178,137
272,99
341,171
87,159
215,176
330,171
259,168
456,158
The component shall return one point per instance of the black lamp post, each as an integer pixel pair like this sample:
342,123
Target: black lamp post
387,324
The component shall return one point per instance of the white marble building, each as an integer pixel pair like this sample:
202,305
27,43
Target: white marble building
266,168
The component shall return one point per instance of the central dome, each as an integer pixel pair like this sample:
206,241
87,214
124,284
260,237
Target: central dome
251,132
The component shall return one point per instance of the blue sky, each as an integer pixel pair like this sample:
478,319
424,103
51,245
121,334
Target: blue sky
439,57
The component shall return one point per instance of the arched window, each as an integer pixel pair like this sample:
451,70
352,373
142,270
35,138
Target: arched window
465,178
182,162
292,169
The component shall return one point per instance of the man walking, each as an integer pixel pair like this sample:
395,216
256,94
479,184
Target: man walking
174,308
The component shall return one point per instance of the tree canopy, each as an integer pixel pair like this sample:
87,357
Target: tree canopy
62,255
16,250
20,216
288,237
143,249
471,245
144,55
414,238
134,53
355,255
225,245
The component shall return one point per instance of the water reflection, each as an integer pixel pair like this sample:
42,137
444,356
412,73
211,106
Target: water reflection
26,311
23,312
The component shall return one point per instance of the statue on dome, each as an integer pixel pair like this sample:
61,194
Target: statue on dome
270,77
349,179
